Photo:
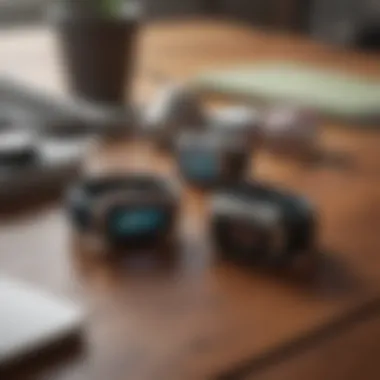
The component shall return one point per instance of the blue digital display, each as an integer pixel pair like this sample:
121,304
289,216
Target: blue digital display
137,222
200,165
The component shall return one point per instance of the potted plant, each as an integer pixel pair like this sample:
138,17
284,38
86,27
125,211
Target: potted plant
98,39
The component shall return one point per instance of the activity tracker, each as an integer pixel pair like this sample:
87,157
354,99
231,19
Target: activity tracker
209,159
255,224
126,211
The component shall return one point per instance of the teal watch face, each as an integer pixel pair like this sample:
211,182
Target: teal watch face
135,223
203,166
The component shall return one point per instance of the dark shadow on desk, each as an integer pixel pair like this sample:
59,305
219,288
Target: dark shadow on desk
320,274
35,364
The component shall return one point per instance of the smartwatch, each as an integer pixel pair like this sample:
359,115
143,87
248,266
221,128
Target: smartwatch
208,159
255,224
131,211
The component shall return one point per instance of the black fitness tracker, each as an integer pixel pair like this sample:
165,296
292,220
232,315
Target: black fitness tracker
133,211
253,224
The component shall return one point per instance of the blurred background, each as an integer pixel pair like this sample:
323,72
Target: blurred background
345,22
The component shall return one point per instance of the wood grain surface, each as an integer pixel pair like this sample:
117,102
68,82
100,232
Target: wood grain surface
197,319
350,355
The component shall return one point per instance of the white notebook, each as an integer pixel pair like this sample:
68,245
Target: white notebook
31,320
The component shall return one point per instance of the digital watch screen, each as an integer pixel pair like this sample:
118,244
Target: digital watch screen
200,167
254,224
136,227
127,212
208,159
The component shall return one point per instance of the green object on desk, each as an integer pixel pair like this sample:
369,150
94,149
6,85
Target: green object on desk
334,94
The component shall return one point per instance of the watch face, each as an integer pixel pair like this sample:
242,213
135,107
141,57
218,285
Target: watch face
251,242
200,166
136,225
249,233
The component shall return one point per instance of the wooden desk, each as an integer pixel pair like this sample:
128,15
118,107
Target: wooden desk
198,319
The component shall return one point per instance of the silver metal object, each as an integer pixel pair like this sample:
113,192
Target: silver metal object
176,108
237,121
